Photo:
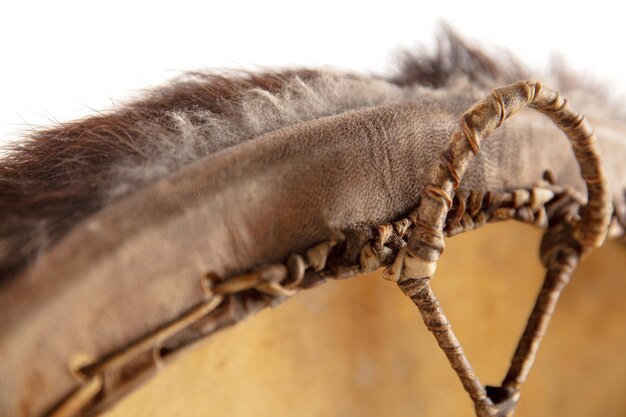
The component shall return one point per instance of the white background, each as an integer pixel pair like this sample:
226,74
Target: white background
62,60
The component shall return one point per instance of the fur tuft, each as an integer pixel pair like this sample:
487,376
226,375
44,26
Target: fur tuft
455,57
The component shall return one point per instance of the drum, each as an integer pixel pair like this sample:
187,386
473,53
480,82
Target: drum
138,246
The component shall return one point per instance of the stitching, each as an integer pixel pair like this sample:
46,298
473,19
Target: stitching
469,211
573,230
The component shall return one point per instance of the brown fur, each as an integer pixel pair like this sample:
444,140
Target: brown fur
56,177
455,56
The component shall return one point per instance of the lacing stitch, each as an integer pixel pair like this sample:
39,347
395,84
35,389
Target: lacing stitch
464,210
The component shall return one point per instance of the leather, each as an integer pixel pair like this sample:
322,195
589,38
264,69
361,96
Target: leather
137,264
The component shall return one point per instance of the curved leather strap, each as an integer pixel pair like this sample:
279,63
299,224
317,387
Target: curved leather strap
562,247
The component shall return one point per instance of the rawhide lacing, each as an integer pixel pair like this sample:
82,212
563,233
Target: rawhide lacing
470,210
389,245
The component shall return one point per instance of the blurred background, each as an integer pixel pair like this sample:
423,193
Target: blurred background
65,59
354,348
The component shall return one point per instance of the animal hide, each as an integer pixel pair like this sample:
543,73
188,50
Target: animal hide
109,224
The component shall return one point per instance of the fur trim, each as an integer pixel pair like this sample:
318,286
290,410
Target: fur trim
58,176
